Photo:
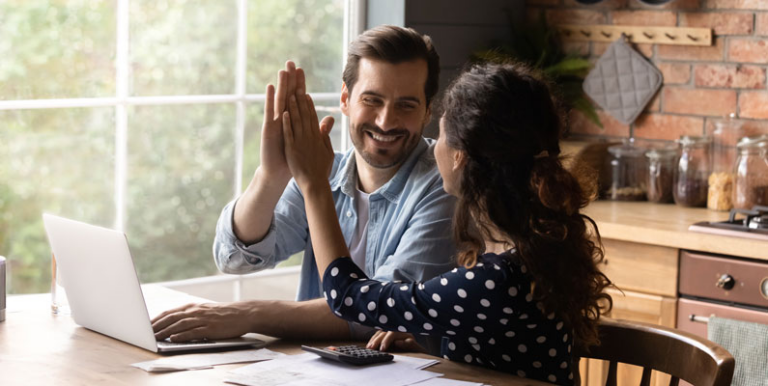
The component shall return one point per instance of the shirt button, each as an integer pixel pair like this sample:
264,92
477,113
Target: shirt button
349,213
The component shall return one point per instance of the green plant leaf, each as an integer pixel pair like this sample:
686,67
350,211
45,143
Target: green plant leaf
585,106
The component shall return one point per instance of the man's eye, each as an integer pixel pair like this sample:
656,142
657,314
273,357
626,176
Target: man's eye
370,101
407,106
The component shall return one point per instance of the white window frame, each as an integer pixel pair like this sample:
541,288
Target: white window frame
354,24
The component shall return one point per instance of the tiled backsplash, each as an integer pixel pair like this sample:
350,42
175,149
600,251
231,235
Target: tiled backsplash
701,84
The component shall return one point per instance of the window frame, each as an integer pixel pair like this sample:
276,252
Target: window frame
354,24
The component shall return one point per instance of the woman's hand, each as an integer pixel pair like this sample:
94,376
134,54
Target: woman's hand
308,148
382,340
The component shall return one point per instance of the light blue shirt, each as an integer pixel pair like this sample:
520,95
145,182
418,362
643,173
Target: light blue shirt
409,226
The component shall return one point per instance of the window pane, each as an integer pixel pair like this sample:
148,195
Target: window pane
307,31
57,49
183,47
252,136
59,161
180,176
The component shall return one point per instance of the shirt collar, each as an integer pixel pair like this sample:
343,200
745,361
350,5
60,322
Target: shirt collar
346,178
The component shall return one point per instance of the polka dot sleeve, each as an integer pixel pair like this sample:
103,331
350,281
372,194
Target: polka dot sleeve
476,299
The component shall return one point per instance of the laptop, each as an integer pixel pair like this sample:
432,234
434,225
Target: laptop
103,289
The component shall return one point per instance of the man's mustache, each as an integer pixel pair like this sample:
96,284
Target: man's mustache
378,130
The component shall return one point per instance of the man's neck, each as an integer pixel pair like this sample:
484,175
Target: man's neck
370,178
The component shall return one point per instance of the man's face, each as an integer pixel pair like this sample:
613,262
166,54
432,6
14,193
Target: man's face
387,110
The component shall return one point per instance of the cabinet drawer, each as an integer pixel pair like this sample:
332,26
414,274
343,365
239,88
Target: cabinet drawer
641,267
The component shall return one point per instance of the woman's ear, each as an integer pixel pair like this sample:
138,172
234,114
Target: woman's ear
459,160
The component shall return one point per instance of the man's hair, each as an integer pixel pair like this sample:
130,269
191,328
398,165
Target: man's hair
393,45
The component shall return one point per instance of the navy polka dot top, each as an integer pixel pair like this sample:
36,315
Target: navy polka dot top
486,315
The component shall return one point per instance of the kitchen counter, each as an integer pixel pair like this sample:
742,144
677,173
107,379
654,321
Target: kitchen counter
667,225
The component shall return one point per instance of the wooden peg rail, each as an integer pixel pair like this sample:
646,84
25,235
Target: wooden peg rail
637,34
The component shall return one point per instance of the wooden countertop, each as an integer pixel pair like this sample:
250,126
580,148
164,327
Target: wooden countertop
667,225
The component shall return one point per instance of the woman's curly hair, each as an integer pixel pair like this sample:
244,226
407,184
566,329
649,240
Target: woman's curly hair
514,187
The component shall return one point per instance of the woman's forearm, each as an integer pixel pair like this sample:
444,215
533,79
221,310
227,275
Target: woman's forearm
327,240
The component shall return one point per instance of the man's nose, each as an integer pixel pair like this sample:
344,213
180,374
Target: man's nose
387,118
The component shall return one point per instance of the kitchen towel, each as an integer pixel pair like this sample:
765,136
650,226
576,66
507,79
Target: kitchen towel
622,82
748,343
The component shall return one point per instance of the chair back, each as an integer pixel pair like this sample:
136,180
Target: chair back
680,354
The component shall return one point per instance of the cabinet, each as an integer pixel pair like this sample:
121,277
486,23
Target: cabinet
646,276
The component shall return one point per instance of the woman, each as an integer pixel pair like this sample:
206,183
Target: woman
528,284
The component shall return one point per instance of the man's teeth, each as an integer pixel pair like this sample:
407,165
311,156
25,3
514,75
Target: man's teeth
388,138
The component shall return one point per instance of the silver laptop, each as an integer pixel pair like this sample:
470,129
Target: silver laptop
103,289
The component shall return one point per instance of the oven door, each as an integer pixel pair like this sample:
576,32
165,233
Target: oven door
692,314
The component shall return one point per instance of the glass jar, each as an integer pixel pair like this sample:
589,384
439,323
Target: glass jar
725,135
661,171
751,170
628,173
692,172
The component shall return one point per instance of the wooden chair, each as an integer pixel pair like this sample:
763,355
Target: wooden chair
680,354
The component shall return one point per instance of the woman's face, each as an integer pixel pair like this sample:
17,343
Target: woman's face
449,162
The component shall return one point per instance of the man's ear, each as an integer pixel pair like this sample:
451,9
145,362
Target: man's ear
344,101
459,160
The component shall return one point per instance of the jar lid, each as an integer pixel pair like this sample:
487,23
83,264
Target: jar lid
759,141
692,140
626,150
662,152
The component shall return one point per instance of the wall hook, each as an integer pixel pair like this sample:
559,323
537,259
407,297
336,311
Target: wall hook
586,33
694,38
671,37
606,34
647,35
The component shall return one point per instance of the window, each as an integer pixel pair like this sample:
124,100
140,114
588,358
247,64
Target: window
144,115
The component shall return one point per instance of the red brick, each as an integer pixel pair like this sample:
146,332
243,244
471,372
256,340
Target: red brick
644,18
598,48
731,76
748,50
753,104
605,4
574,16
580,124
676,52
676,4
655,104
715,103
576,47
675,73
737,4
723,23
542,2
761,24
669,127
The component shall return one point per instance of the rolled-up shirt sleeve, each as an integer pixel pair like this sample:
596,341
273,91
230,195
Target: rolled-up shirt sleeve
287,235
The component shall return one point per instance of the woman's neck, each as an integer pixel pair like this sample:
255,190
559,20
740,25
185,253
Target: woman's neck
497,247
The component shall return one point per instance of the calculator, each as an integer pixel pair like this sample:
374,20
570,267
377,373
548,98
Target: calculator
353,355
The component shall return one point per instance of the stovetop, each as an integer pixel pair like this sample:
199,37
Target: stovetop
749,223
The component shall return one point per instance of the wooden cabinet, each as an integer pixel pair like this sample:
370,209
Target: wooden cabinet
646,276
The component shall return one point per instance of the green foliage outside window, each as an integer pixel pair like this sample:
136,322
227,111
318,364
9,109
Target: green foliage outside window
180,158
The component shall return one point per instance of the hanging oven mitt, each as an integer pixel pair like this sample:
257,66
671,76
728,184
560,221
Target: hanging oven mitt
622,82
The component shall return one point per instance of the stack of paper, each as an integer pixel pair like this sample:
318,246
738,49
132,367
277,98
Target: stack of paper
311,370
206,361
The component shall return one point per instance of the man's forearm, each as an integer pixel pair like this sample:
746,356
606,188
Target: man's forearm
310,319
261,196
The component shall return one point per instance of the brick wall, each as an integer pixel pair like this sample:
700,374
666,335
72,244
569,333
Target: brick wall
701,84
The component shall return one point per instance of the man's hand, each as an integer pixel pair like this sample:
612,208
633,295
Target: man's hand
202,321
383,340
290,83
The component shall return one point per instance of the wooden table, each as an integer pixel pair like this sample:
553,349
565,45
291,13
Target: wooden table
38,348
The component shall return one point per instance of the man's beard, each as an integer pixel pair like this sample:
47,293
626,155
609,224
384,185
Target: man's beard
409,143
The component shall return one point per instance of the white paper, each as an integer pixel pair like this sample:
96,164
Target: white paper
415,363
446,382
309,369
206,361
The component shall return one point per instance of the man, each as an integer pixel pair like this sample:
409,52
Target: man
391,206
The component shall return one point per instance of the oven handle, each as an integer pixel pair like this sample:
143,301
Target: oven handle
698,318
